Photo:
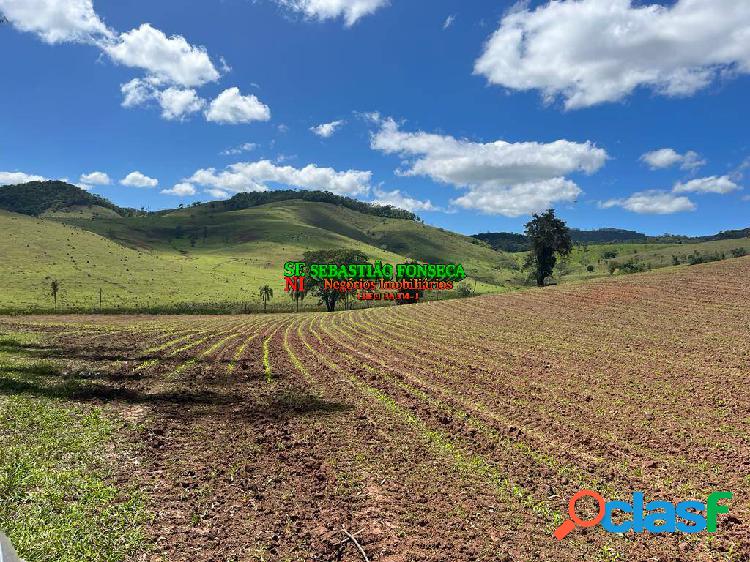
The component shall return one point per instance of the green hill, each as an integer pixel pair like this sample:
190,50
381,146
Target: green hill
205,254
215,256
39,197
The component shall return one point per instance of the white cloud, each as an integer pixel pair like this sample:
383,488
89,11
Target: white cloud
521,198
326,130
173,66
401,200
256,176
176,104
511,179
652,202
181,190
13,178
350,10
233,108
167,59
56,21
449,21
666,157
594,51
137,179
245,147
218,193
712,184
137,92
95,178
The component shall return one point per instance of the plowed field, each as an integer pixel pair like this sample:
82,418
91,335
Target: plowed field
445,431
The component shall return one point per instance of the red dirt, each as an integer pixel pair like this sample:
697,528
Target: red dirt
448,431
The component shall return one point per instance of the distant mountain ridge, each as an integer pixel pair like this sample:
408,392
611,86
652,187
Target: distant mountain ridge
514,242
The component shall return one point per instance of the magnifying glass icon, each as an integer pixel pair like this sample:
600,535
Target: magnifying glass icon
570,524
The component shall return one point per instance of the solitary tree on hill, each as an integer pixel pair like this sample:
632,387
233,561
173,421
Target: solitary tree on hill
266,294
549,237
55,287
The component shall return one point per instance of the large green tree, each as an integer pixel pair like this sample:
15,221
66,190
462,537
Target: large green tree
330,297
549,238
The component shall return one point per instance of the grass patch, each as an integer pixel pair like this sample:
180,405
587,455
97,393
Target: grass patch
56,501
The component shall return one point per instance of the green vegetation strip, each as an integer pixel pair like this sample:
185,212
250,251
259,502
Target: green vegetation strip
56,501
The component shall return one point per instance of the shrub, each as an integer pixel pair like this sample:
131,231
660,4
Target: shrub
464,290
697,257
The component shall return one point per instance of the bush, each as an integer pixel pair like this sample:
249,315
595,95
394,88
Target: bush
739,252
697,257
464,290
630,266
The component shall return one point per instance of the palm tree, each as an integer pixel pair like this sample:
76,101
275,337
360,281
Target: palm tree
298,296
55,286
266,294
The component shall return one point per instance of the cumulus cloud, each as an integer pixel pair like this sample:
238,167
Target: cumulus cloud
402,201
257,176
350,10
666,157
653,202
244,147
218,193
231,107
594,51
712,184
504,178
181,190
95,178
521,198
173,67
137,179
326,130
13,178
168,59
137,92
57,21
176,104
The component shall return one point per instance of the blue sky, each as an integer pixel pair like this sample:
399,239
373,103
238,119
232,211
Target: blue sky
474,114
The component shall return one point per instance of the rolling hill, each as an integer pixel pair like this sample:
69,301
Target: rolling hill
207,254
213,257
39,198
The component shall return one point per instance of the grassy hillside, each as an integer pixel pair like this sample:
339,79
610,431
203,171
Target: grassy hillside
214,257
198,255
606,259
271,234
